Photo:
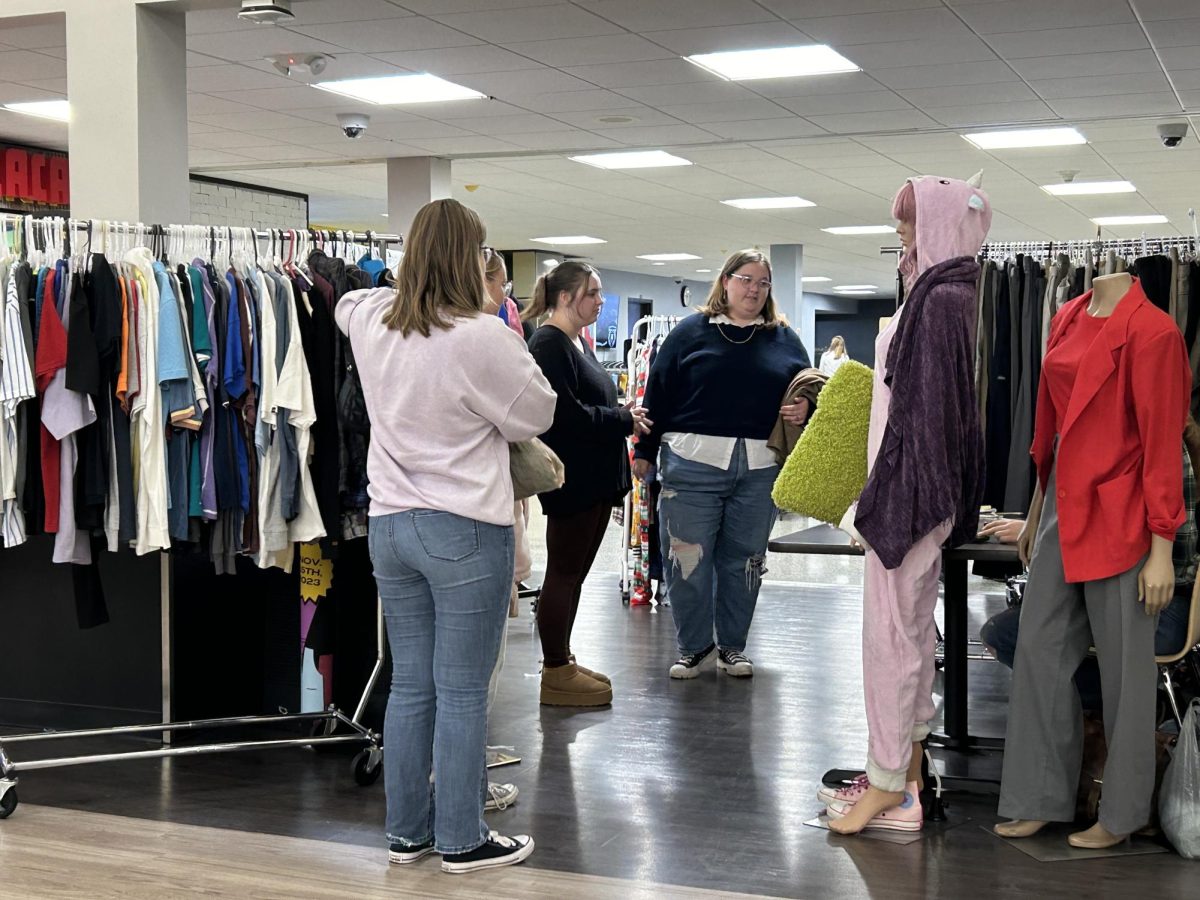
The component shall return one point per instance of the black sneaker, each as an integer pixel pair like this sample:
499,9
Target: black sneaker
497,851
735,663
689,666
402,854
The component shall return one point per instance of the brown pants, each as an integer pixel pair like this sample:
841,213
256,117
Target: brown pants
572,542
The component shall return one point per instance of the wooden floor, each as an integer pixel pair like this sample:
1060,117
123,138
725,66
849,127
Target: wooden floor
678,789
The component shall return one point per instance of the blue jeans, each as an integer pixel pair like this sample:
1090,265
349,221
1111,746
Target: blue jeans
1001,630
714,525
445,582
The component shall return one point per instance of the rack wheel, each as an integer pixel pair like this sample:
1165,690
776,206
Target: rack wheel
367,766
8,803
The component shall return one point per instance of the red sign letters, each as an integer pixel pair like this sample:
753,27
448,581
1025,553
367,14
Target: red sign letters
37,177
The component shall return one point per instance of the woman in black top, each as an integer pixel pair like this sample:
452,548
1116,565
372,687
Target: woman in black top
588,435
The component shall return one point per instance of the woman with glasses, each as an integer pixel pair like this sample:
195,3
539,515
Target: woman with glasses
588,435
714,392
447,388
499,289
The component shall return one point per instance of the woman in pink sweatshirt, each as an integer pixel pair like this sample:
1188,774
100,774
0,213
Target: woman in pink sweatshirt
447,388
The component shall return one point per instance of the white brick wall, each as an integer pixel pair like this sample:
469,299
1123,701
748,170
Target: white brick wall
219,204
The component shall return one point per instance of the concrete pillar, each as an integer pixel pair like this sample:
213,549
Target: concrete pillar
412,182
127,84
787,271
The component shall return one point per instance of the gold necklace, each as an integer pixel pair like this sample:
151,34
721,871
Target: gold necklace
721,328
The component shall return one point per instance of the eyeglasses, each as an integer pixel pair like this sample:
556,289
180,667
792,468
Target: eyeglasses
507,288
747,281
488,253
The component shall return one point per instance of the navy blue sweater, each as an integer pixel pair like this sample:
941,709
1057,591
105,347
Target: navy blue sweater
702,382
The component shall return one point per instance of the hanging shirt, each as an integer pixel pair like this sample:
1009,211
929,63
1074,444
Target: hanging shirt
16,386
51,356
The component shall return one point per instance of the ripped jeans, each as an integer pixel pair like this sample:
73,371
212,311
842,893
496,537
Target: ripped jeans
714,526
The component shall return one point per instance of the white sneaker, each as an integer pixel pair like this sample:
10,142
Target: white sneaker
500,796
735,663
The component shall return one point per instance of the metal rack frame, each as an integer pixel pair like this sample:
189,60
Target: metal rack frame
367,764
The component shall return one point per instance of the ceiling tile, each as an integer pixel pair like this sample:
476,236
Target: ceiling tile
11,92
1091,40
728,111
907,53
237,46
417,129
605,48
1140,83
647,72
1160,104
537,23
644,115
213,105
464,145
962,94
640,16
563,140
812,9
196,60
212,21
1152,10
686,41
1186,58
1175,32
511,85
34,37
213,158
23,65
250,120
656,135
980,72
766,129
894,120
1187,80
452,111
829,104
233,78
387,35
512,124
448,7
569,101
700,92
279,153
343,65
843,83
230,140
1078,65
298,97
1029,15
873,28
449,61
316,12
56,87
995,113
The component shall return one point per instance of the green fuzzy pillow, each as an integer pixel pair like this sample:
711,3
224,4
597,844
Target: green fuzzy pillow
827,470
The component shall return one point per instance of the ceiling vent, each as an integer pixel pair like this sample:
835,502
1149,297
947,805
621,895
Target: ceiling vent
266,12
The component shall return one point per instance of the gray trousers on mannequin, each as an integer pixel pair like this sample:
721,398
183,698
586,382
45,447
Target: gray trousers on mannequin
1044,747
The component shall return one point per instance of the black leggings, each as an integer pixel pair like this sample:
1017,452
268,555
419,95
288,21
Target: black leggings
572,542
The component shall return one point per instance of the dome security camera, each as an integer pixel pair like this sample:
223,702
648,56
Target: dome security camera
1172,133
353,124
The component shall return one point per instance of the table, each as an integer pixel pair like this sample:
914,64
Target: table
827,540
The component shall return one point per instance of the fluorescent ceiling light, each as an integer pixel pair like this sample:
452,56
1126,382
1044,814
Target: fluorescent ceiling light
395,89
58,110
854,293
861,229
769,203
774,62
858,288
658,264
1131,220
569,239
635,159
704,271
815,278
385,215
668,257
1074,188
1025,137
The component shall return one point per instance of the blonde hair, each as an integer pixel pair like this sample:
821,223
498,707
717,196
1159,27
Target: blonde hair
569,277
441,275
717,303
495,264
838,347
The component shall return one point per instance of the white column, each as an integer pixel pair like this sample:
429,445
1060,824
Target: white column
127,84
414,181
787,271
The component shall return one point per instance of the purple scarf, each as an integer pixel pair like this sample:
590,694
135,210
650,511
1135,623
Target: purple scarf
930,464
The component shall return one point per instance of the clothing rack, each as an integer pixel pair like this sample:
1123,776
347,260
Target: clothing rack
642,331
28,236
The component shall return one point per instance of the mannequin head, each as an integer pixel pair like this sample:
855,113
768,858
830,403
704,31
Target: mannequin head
939,219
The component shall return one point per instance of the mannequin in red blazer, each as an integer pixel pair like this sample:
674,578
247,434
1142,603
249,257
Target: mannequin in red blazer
1112,403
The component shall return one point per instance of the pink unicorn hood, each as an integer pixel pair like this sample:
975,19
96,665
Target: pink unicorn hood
952,218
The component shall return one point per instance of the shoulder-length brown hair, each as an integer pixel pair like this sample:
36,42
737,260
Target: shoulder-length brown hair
718,303
441,275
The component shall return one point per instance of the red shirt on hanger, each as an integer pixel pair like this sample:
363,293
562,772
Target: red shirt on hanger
51,356
1118,407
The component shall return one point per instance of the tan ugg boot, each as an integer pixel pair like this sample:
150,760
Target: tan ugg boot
567,686
599,676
